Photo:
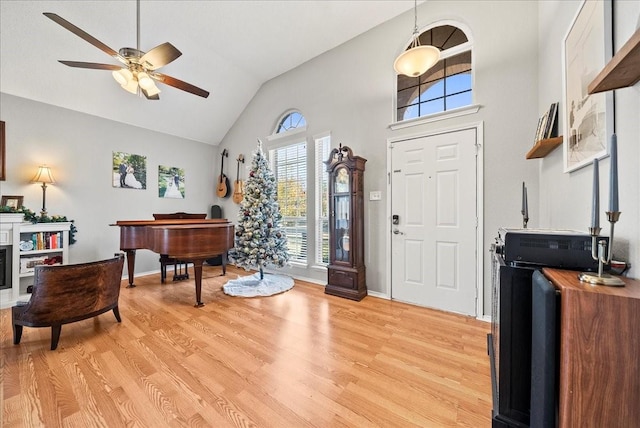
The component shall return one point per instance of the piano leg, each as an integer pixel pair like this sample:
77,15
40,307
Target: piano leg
131,263
197,267
224,263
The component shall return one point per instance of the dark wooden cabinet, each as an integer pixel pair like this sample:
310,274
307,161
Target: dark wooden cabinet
346,270
599,367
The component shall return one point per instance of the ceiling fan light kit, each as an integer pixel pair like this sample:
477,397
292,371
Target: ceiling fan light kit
416,60
139,71
122,76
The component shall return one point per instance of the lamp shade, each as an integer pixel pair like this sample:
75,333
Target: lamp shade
122,76
43,175
152,90
417,60
144,80
131,86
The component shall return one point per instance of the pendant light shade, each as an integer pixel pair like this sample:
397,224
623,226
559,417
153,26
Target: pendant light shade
416,60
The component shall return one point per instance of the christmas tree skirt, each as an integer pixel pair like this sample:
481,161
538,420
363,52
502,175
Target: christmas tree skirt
252,285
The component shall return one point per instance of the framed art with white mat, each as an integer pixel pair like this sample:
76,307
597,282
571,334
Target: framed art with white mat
588,119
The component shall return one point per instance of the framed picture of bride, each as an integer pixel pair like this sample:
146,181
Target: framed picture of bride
129,171
170,182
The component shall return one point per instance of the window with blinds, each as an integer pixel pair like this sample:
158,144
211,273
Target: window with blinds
289,165
323,145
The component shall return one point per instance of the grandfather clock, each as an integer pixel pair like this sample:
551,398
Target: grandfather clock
346,270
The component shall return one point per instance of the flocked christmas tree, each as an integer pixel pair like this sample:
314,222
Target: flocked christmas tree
260,240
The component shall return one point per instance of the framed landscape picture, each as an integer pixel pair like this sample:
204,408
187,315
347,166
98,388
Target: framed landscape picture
588,119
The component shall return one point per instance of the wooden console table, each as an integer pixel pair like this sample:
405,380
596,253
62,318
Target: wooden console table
599,352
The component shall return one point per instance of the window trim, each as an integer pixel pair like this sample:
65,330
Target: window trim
290,133
436,117
319,162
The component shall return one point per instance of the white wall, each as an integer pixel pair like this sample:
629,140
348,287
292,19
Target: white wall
350,91
565,198
79,148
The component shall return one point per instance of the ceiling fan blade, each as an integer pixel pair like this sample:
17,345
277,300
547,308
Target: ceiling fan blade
86,36
92,65
172,81
159,56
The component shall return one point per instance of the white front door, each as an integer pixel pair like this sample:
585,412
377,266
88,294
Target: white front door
433,207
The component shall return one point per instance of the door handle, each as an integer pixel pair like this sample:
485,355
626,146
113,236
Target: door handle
397,232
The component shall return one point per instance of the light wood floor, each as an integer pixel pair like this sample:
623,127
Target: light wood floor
298,359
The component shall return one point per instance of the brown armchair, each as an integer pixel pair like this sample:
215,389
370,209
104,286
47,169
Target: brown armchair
69,293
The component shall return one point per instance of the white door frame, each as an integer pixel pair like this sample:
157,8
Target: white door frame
479,127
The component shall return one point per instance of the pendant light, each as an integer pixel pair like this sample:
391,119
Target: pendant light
417,59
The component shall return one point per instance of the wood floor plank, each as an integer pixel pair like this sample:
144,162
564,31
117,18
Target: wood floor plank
298,359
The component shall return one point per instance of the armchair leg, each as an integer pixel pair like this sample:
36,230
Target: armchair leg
17,333
55,336
116,312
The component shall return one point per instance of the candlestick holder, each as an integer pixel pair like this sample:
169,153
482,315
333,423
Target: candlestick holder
602,253
525,220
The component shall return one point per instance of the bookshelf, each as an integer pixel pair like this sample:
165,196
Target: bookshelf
31,245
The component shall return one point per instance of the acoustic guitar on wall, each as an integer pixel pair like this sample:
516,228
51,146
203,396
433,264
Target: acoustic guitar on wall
238,185
223,181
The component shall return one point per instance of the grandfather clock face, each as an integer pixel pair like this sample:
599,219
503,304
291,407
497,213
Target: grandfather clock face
342,180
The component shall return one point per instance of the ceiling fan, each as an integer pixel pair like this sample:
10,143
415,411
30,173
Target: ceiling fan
139,69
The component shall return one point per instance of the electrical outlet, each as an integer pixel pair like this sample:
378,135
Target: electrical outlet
375,195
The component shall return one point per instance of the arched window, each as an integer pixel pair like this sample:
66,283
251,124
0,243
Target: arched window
289,121
445,86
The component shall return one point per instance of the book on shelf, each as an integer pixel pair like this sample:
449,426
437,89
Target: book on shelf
548,124
46,240
552,123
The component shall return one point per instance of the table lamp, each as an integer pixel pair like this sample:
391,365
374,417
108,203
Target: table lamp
45,177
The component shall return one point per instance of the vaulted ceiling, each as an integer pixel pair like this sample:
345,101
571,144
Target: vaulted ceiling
229,48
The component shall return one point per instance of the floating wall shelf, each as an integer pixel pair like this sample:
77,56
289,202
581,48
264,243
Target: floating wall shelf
622,71
544,147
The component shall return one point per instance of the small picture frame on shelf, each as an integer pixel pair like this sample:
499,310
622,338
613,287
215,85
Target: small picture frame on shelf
14,202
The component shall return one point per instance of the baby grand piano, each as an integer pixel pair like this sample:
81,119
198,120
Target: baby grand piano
192,240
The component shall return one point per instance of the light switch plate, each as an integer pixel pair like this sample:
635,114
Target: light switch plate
375,195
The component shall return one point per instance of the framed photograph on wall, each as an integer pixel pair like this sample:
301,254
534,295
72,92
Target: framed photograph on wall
170,182
129,171
588,119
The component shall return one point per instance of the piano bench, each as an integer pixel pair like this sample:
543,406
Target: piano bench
180,269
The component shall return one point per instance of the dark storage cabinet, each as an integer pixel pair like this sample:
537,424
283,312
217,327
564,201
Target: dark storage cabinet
510,343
